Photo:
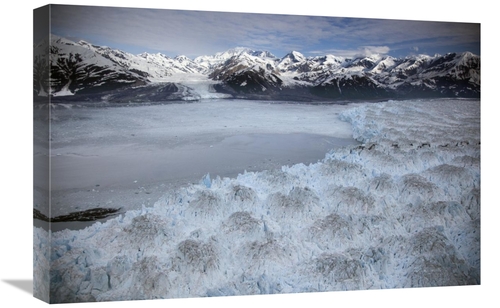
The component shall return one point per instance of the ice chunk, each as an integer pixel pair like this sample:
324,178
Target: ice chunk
206,180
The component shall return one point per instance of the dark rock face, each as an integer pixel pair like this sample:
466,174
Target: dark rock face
253,82
87,215
357,87
148,93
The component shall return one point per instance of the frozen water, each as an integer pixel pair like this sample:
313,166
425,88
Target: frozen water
128,156
206,180
400,210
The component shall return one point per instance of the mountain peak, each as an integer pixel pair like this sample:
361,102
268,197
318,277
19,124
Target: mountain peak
182,58
295,56
147,55
235,51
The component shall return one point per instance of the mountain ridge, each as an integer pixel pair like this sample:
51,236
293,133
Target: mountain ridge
87,72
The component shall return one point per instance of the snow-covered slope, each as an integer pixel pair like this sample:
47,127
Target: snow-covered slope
243,72
209,62
400,210
77,67
153,66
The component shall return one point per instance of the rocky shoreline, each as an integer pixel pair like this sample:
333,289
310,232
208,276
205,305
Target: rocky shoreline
86,215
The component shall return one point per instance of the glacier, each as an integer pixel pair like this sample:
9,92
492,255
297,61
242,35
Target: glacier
399,210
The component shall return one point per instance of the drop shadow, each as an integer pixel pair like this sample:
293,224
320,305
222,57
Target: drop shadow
25,285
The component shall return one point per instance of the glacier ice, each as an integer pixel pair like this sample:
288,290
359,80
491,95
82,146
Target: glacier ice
401,210
206,180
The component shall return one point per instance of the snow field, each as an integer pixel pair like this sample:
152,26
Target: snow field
401,210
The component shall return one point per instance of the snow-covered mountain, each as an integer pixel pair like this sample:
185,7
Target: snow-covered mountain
90,72
81,68
332,77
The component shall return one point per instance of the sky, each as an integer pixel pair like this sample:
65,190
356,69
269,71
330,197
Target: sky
194,33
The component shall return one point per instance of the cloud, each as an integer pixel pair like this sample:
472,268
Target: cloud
362,51
180,31
373,50
194,33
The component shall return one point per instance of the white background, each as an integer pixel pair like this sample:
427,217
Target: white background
16,151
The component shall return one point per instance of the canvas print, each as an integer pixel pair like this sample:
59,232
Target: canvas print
182,154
